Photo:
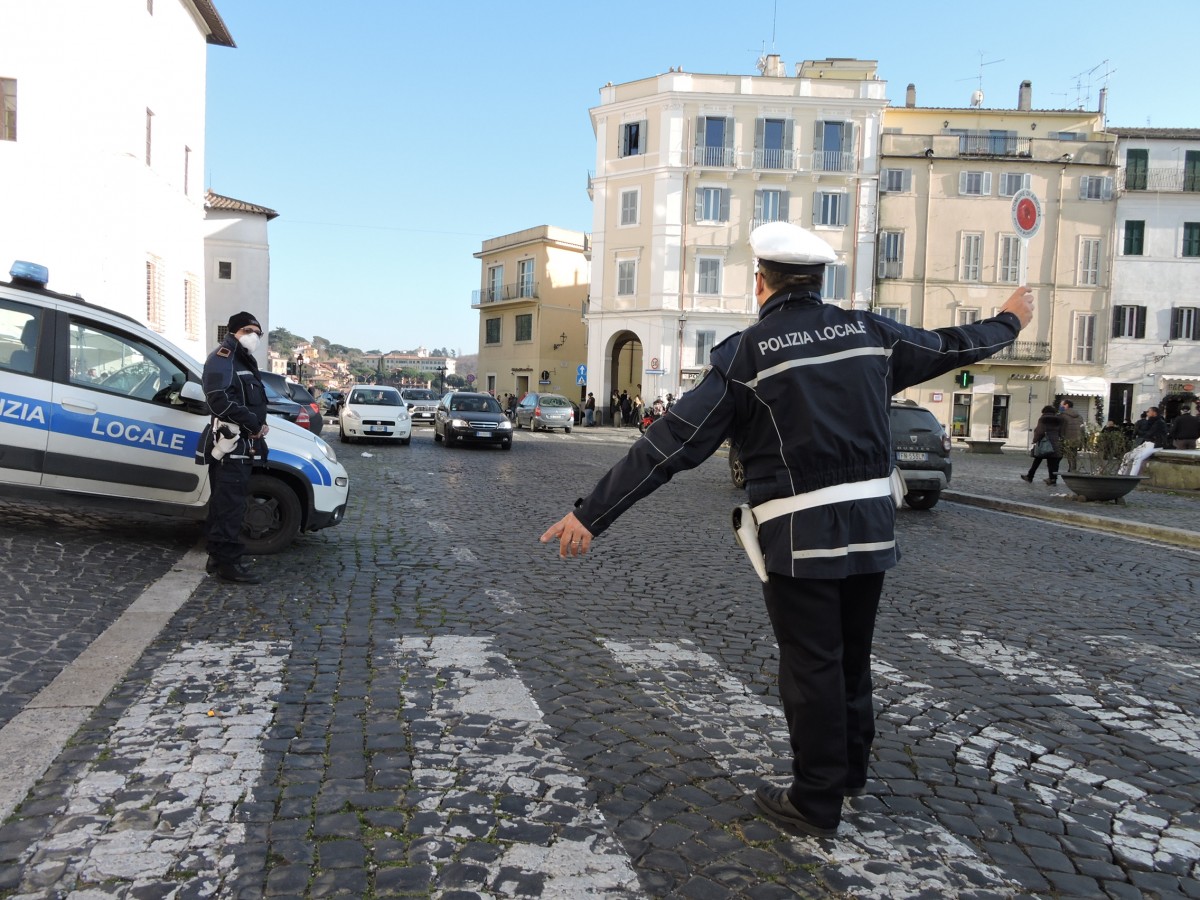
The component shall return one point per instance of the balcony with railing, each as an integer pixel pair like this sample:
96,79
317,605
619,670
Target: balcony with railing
832,161
774,159
1164,179
994,145
1023,353
518,290
714,157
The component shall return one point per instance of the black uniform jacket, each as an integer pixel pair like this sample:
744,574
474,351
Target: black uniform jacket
805,393
234,391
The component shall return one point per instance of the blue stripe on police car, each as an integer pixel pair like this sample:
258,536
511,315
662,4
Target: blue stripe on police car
25,411
125,432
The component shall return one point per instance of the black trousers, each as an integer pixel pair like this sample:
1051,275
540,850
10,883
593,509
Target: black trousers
1051,467
230,481
824,629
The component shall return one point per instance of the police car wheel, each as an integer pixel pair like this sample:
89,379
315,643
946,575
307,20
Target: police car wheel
272,518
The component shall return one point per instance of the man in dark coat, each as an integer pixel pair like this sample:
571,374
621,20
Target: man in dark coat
818,481
1185,430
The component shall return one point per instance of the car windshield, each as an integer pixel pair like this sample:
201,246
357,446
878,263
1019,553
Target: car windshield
553,400
420,394
376,397
474,404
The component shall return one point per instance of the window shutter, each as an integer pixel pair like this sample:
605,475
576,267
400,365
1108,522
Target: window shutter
623,150
699,211
906,180
1118,317
1176,321
1026,180
840,282
842,208
1083,187
962,182
818,202
724,204
785,198
758,206
1106,188
728,142
881,259
760,131
899,254
700,124
986,190
789,138
1139,328
818,136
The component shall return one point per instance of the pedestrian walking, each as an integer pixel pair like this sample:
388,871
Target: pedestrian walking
589,410
1050,428
818,482
1072,432
236,397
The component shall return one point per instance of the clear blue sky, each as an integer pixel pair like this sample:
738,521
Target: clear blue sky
394,137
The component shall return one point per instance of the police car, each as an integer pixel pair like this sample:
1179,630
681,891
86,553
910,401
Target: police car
94,404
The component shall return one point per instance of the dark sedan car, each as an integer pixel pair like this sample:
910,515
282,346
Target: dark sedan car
297,393
285,407
472,418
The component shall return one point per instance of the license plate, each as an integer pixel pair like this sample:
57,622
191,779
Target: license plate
483,434
909,456
377,428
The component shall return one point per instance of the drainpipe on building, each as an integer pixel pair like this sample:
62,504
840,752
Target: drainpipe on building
1062,179
920,323
683,215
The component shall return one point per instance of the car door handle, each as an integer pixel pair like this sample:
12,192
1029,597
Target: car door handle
79,405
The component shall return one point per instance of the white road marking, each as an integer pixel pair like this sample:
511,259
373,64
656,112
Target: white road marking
438,527
738,730
505,601
1141,835
463,554
471,702
156,811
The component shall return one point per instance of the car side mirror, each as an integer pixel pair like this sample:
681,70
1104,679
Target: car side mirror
192,396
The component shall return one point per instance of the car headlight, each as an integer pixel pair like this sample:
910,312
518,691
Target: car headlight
350,414
458,423
506,425
326,450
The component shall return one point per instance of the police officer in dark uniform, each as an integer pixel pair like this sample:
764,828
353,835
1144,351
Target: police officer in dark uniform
805,394
236,396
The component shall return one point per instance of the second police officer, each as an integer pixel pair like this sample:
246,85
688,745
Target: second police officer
805,394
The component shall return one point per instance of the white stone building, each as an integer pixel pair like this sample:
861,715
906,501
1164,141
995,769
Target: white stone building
1154,343
237,265
102,152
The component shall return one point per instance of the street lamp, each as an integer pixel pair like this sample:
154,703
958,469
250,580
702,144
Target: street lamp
300,367
441,370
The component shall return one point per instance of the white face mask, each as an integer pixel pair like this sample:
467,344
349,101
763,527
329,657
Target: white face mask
249,341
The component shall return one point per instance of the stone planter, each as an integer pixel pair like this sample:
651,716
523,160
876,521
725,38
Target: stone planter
1101,487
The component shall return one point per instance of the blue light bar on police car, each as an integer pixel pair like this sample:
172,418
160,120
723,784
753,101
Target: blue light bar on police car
28,271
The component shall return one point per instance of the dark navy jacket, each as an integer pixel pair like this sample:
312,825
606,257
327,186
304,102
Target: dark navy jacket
805,393
233,389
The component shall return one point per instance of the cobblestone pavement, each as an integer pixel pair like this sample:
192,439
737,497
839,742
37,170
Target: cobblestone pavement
424,701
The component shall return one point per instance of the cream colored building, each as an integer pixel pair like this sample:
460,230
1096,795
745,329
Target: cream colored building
686,166
949,252
531,305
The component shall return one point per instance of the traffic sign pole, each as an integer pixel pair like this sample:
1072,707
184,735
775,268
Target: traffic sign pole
1026,219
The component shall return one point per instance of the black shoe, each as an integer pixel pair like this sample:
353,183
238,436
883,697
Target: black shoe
211,565
1051,481
1028,479
855,791
237,574
775,803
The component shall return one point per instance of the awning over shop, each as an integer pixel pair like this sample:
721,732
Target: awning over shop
1082,385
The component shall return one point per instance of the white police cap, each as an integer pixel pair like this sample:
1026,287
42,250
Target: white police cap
790,247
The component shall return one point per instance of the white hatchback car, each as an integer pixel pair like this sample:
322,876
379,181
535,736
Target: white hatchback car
374,411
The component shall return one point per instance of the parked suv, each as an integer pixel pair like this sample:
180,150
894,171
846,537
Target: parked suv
97,407
422,403
922,450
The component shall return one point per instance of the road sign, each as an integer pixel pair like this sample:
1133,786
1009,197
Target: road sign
654,362
470,378
581,375
1026,213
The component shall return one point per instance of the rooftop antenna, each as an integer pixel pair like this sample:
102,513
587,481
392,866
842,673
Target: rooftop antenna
977,94
1083,96
761,65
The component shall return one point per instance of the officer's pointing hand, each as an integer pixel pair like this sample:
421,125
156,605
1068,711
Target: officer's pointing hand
1020,304
573,538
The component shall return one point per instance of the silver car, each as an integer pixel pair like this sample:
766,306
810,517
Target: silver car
547,411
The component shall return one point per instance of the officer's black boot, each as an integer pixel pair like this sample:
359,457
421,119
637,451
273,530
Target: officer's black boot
237,573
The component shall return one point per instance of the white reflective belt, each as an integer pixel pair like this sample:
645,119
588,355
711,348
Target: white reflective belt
838,493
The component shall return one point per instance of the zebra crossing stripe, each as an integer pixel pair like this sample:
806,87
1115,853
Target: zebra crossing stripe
482,759
880,858
1141,834
155,811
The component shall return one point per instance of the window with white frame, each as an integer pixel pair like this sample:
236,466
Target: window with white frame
712,204
225,270
8,109
1083,345
704,344
898,314
1089,261
1095,187
971,257
708,275
1129,322
714,141
975,184
1008,259
154,294
771,205
895,181
495,289
1185,323
1011,182
773,143
891,254
830,208
966,315
191,308
525,286
626,277
633,139
834,286
629,207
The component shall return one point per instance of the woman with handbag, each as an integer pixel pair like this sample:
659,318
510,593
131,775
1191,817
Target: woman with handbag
1047,445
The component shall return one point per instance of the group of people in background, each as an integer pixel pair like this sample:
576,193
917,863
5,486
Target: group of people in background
625,410
1064,428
